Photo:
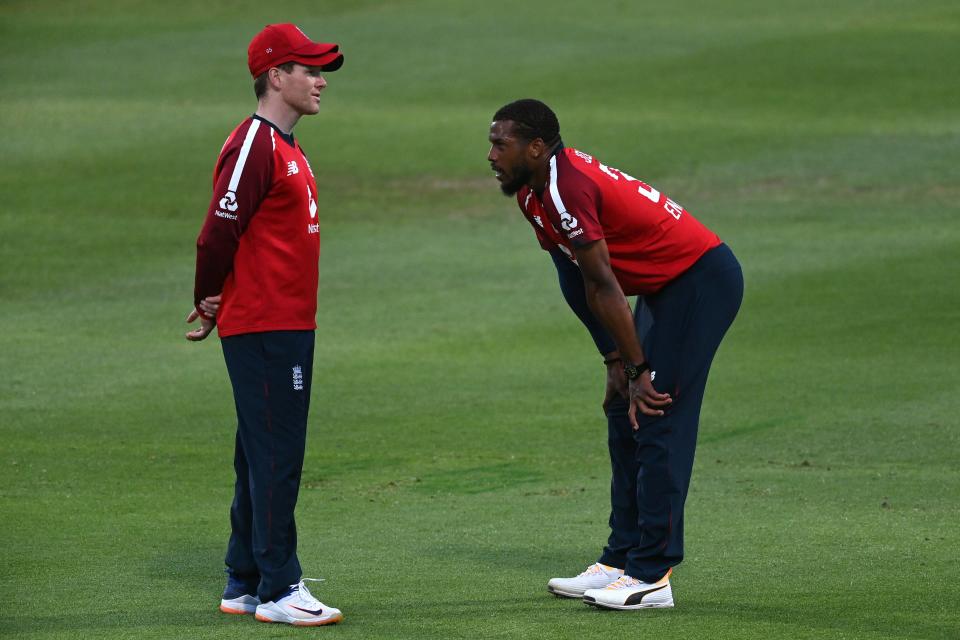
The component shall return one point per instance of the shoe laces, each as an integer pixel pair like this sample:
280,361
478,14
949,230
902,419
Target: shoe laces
623,582
592,570
304,594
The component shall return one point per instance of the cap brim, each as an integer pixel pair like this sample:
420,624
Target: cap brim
325,55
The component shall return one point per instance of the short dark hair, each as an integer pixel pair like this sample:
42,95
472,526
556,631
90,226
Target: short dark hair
532,119
260,83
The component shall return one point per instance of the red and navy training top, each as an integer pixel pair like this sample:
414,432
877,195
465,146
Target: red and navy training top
651,238
260,241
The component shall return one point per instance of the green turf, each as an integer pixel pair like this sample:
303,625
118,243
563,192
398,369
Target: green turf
456,456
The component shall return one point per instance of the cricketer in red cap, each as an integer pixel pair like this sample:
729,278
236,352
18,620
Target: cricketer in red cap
280,43
256,283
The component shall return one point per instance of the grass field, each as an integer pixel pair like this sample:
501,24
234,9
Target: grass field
457,456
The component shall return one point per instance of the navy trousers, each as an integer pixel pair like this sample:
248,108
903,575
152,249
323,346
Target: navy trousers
681,327
271,375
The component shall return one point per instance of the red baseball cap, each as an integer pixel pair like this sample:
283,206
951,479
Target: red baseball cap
280,43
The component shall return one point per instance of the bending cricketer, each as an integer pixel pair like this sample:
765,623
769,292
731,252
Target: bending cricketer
611,236
256,280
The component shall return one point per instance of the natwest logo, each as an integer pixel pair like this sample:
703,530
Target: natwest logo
313,228
313,203
229,201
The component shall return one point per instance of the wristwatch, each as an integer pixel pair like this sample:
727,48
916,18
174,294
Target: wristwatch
634,371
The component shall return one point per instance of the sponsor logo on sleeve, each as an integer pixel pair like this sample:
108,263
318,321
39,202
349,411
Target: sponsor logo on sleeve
229,201
574,234
568,222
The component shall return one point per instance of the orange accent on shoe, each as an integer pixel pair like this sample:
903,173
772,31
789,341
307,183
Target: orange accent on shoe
236,612
665,578
263,618
307,623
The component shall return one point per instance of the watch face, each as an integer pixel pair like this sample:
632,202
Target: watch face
633,371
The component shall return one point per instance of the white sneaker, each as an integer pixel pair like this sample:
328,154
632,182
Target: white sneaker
240,605
595,577
298,607
630,593
240,595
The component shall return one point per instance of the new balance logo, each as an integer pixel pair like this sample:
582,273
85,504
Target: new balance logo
538,221
292,168
229,201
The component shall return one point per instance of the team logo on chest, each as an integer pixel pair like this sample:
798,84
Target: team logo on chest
292,168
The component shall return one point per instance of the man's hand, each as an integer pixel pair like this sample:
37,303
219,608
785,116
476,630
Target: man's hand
646,399
616,383
210,306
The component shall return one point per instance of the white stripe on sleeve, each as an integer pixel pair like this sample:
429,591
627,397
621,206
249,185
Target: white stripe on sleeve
554,192
242,158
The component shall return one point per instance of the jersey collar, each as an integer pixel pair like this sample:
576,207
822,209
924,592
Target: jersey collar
288,137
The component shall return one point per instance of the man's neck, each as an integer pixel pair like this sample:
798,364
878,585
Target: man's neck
541,175
279,113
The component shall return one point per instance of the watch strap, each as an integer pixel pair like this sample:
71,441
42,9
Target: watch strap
634,371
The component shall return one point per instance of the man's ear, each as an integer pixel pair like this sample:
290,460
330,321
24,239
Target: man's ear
536,149
273,75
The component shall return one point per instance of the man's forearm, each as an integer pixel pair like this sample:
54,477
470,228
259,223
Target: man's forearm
610,306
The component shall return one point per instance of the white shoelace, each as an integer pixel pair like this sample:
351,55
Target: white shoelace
623,582
592,570
304,594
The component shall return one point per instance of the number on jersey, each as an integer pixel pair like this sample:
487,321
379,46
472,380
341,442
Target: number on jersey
644,189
